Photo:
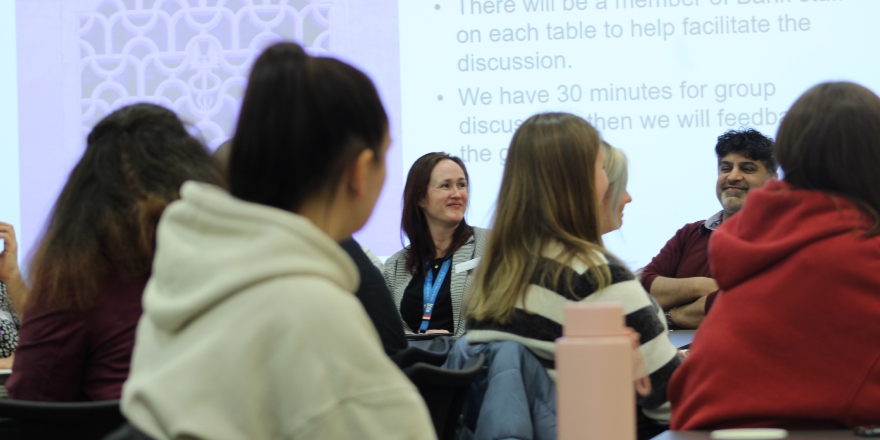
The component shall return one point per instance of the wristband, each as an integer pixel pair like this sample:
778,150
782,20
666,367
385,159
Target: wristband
669,322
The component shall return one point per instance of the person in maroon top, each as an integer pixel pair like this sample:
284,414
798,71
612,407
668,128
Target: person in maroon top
91,266
679,276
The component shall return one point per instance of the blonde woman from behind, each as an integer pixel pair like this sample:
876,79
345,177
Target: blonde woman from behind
545,250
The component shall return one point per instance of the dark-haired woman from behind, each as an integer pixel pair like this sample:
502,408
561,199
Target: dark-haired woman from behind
91,267
250,327
428,279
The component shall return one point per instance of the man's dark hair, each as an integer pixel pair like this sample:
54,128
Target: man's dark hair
749,143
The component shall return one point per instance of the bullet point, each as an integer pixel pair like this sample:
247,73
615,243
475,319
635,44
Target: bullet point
437,7
439,97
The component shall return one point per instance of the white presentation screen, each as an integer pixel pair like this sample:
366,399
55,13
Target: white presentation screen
660,79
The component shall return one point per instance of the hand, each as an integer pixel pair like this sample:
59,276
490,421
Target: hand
705,285
691,315
641,377
676,292
9,256
437,332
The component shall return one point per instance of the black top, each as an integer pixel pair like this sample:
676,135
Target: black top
376,299
411,305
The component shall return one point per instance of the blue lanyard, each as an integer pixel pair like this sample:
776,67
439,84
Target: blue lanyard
432,288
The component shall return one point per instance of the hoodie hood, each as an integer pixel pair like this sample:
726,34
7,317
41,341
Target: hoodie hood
776,221
211,245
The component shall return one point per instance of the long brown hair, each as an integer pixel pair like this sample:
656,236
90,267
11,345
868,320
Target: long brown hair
104,222
547,197
830,141
413,222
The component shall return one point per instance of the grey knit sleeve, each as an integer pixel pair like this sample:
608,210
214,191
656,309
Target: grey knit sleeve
8,324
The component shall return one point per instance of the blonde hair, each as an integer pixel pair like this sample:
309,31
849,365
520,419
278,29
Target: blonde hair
616,169
547,197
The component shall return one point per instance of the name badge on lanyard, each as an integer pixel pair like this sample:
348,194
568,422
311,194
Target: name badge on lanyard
430,291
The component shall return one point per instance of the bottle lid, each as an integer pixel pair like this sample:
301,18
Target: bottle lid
749,433
593,319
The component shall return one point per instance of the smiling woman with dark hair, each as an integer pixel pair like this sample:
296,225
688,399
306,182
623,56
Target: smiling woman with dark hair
791,340
428,279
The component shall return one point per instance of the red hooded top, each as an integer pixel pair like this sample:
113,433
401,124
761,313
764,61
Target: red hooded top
793,340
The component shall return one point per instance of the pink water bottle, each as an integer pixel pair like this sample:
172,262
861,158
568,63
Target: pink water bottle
594,384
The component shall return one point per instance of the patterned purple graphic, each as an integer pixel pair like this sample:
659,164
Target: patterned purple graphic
192,56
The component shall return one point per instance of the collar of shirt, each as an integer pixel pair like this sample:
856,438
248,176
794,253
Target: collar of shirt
713,222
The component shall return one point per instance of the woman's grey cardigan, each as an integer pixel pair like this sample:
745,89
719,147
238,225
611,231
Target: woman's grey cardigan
398,278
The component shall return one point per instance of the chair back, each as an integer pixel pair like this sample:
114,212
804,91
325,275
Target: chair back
431,342
128,432
444,391
26,419
433,353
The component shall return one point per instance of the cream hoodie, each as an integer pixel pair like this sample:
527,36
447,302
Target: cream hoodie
250,331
